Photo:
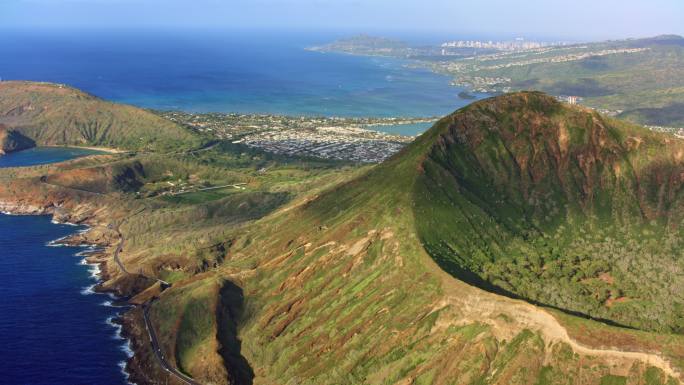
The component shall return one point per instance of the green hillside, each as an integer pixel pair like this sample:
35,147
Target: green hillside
406,272
528,197
519,195
53,114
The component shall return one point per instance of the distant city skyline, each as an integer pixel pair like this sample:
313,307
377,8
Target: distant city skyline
578,19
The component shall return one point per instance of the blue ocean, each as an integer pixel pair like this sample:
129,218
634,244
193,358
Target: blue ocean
53,328
227,71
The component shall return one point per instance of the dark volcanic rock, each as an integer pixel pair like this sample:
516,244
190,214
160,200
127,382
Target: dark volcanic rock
11,141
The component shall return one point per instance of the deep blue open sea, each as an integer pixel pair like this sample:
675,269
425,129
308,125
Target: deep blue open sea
53,328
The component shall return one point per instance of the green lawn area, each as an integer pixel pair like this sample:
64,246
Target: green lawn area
200,196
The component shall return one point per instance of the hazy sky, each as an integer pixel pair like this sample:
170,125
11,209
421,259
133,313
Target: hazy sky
578,19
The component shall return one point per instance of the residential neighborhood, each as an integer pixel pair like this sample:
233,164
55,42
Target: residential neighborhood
339,138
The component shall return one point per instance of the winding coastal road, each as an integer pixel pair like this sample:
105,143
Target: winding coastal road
154,342
43,180
118,249
157,350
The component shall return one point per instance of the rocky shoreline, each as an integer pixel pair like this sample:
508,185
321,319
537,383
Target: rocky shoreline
141,367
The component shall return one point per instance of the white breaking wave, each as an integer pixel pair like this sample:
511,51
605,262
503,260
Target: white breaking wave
57,242
117,327
94,270
88,290
64,223
122,365
89,250
126,347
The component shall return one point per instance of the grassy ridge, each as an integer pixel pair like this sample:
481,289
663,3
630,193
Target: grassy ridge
52,114
338,287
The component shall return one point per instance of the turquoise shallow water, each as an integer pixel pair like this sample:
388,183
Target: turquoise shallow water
43,155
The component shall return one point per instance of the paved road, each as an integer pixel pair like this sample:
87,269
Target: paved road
43,180
158,353
118,250
119,247
148,324
235,185
208,146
